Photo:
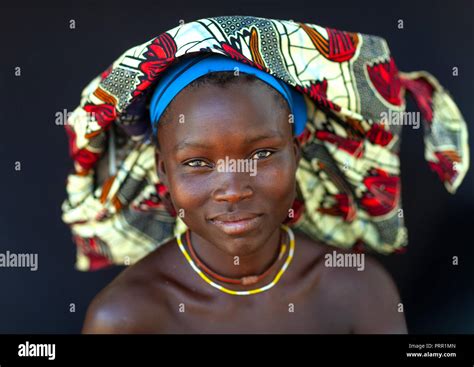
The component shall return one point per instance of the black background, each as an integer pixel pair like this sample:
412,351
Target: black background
57,62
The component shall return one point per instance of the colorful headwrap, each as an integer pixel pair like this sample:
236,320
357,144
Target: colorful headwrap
177,77
349,175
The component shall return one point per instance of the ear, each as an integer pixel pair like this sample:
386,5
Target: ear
160,166
297,149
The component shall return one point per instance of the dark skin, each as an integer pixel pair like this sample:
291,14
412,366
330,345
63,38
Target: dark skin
162,294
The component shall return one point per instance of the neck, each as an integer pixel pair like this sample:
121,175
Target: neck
237,266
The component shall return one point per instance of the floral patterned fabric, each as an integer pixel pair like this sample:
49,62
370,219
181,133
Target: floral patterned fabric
349,174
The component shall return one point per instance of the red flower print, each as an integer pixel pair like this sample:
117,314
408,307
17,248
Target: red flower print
385,79
85,158
340,46
378,135
104,113
351,146
318,92
422,92
160,53
383,193
341,208
445,167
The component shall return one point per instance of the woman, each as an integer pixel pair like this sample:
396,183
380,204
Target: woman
257,275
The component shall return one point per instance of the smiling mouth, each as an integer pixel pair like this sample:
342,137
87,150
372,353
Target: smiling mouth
237,223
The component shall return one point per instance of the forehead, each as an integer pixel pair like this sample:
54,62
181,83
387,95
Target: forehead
239,110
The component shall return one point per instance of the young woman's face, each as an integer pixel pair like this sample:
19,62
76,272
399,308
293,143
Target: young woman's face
236,211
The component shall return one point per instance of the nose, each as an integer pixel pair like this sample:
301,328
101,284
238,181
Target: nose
233,187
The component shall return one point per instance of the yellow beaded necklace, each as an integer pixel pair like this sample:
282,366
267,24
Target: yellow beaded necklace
252,291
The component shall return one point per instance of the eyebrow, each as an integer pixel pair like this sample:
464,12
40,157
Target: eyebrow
248,140
253,139
190,144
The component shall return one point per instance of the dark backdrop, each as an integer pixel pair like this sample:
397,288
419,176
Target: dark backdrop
57,62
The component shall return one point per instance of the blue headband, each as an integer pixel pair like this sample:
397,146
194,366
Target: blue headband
178,76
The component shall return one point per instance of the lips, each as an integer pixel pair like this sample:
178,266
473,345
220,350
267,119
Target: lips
236,223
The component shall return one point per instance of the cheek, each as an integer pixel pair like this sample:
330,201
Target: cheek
187,193
277,183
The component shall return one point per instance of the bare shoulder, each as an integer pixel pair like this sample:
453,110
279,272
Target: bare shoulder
131,303
366,289
354,286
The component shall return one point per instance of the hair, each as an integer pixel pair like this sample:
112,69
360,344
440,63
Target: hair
223,79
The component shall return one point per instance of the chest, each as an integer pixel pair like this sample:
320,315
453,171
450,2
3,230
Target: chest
275,311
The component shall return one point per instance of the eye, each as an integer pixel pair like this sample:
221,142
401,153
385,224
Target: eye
197,163
262,154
